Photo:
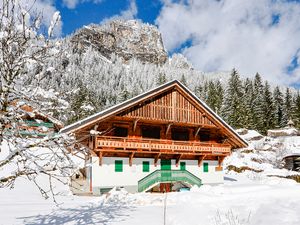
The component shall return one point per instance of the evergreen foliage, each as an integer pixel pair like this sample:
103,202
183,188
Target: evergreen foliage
232,109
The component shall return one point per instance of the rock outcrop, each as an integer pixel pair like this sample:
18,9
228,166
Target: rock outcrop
126,39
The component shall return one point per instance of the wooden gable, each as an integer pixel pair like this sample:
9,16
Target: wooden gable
172,106
170,103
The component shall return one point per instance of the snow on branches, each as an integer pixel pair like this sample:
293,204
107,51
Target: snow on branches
23,53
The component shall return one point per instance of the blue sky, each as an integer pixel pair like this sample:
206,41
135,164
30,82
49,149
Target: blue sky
214,35
89,12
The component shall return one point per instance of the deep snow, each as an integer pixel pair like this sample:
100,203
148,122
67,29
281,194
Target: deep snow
248,198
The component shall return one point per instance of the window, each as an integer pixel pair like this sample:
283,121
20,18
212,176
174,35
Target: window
151,132
118,166
204,135
146,166
205,167
182,165
180,134
121,131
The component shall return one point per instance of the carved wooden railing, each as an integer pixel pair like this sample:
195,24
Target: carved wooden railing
104,142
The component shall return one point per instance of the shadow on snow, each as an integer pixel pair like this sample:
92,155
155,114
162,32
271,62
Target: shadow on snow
88,214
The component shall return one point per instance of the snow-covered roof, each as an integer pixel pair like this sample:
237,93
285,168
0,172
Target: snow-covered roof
124,105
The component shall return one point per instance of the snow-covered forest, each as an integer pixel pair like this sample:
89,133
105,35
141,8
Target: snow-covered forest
89,82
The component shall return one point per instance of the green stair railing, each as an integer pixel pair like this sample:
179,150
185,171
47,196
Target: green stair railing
161,176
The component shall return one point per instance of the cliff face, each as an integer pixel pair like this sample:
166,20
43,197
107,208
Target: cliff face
126,39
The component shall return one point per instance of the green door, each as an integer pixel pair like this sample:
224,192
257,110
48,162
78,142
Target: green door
182,165
165,166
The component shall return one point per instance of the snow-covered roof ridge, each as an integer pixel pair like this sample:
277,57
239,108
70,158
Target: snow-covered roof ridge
125,104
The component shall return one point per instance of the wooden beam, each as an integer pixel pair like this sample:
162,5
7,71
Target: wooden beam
156,159
100,158
131,158
135,124
178,159
197,131
200,159
220,160
168,128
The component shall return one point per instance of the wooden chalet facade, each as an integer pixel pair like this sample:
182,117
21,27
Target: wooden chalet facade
161,140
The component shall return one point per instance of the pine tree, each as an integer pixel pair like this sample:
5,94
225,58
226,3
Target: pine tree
258,111
248,103
297,109
278,107
232,110
268,108
183,80
219,96
287,107
161,79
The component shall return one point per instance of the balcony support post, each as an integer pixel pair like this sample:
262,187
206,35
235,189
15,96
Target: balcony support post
156,159
200,159
178,159
100,158
220,160
131,158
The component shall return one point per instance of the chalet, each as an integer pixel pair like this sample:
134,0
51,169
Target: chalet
34,123
161,140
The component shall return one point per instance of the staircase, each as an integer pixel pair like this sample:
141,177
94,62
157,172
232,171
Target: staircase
163,176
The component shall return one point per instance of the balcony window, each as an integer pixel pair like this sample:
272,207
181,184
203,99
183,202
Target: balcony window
204,136
121,131
180,134
151,132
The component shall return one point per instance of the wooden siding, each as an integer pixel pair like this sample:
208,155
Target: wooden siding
171,106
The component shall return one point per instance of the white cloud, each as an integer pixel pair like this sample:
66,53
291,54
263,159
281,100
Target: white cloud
71,4
127,14
231,33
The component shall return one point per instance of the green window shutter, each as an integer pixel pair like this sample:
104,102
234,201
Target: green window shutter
182,165
146,166
205,167
118,166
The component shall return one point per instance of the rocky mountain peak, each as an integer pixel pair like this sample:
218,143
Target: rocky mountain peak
127,39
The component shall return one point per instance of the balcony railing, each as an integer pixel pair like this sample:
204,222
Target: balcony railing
106,142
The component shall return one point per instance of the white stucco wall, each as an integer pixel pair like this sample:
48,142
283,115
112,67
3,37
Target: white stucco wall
105,176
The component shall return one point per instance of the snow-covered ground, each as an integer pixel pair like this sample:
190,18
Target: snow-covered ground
248,198
238,201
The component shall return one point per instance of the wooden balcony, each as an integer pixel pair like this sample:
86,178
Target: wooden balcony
106,143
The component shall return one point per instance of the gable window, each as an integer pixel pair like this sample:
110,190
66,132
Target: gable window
205,167
151,132
118,166
146,166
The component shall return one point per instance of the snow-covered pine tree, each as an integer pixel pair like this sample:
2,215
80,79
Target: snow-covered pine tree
297,109
287,107
268,108
232,109
258,111
248,103
214,95
278,107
